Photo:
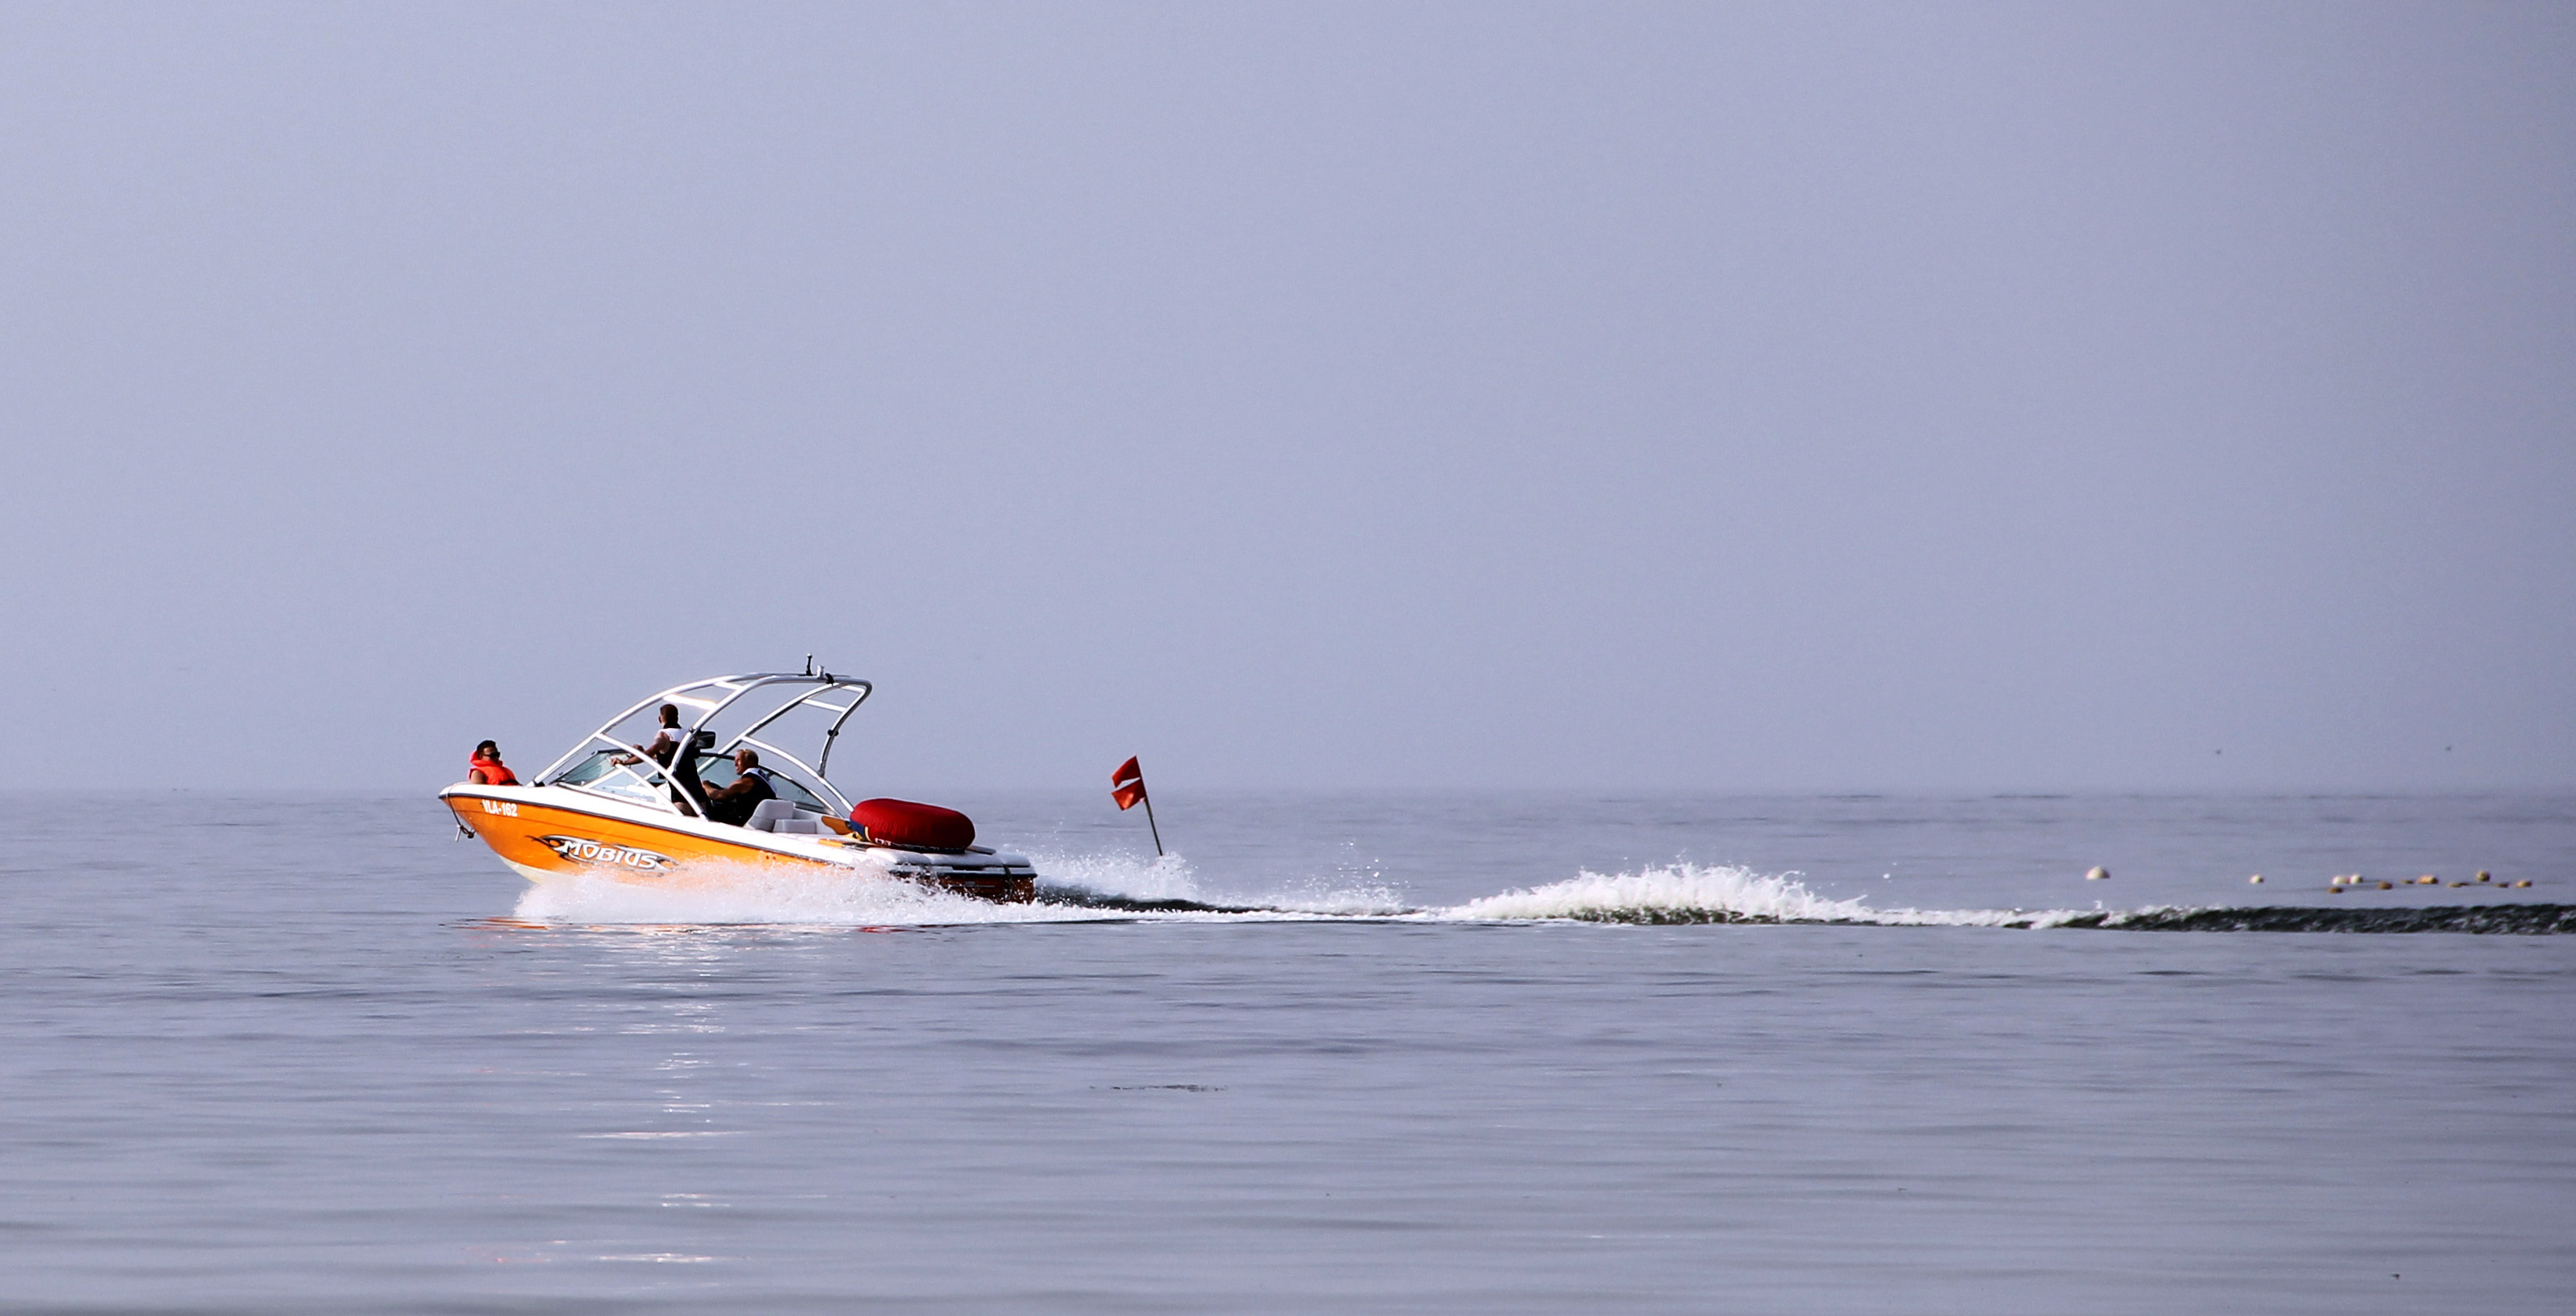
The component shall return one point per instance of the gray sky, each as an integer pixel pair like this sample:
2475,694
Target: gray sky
1882,397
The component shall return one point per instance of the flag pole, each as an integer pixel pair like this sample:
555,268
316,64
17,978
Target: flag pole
1127,781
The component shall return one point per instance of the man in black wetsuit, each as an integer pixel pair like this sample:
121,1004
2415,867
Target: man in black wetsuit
734,803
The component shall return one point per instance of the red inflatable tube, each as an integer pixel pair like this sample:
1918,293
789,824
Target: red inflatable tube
914,826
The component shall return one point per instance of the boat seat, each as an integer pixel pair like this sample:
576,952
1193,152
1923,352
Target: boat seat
766,815
806,826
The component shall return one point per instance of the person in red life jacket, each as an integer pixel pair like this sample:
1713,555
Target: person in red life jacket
487,769
734,803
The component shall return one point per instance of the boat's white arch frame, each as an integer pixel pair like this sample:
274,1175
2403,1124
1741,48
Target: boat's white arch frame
819,686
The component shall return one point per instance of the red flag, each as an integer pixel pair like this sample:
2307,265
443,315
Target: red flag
1128,788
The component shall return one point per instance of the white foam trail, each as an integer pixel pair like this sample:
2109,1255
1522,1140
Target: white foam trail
1674,890
1678,893
1125,877
748,895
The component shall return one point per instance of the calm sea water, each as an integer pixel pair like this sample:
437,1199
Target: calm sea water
295,1055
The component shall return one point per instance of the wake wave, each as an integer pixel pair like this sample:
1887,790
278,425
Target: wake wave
1679,893
1094,888
1686,893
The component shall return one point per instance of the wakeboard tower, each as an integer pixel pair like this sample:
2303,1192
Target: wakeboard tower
606,809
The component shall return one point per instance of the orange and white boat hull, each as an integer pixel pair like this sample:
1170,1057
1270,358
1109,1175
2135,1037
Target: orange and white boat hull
548,833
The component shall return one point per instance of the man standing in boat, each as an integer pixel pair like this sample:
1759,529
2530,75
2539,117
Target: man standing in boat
665,750
666,747
666,740
735,803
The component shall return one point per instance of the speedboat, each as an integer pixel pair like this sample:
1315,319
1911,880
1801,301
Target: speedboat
609,808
